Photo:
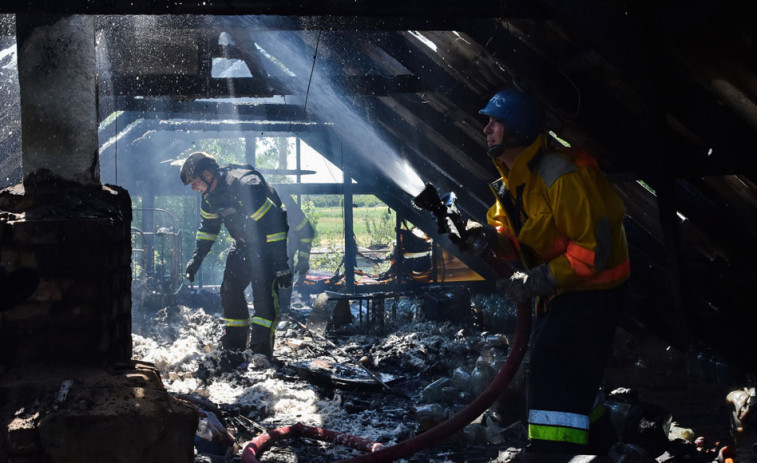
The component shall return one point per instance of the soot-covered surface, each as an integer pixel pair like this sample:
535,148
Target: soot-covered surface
387,387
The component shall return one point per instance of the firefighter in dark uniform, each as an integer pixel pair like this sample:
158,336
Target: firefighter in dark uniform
238,197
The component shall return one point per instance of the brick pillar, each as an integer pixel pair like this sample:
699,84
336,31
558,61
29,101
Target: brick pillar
67,381
61,221
78,239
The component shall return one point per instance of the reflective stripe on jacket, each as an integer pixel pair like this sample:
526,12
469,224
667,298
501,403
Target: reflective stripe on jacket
249,208
562,210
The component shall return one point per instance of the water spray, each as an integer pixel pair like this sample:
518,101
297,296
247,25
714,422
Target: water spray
289,54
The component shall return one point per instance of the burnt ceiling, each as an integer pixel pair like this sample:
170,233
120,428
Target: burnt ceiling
662,93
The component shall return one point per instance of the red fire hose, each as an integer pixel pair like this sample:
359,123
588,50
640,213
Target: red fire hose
428,438
469,413
429,200
261,443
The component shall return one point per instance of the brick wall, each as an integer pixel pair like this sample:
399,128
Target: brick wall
78,239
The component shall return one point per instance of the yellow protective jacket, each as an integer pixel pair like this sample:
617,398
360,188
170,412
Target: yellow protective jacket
557,207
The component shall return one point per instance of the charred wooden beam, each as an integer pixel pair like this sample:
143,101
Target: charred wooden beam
224,129
326,188
726,134
192,87
348,8
161,108
425,119
523,65
373,85
433,72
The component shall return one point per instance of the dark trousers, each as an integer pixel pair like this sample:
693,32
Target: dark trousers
247,266
569,351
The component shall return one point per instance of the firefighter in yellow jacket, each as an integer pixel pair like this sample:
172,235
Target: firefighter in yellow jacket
559,222
238,197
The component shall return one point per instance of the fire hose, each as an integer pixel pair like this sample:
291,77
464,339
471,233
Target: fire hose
381,454
424,440
469,413
261,443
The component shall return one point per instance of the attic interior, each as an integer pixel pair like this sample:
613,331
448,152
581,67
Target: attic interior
663,95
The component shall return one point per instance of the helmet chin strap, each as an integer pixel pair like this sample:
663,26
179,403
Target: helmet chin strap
495,150
510,139
207,184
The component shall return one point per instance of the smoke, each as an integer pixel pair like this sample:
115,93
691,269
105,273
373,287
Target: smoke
288,55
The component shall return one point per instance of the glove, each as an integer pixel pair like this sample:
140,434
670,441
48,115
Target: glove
476,238
302,265
453,223
284,278
192,267
522,286
454,232
480,238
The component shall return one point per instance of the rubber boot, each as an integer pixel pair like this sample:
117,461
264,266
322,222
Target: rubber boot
231,359
261,341
545,447
602,435
235,338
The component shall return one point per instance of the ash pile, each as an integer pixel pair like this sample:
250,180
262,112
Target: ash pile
336,368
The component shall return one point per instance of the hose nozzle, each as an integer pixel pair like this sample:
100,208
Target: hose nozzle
429,200
442,208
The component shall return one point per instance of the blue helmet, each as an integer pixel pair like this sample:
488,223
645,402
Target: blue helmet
522,115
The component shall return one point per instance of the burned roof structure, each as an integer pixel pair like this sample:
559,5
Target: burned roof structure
662,93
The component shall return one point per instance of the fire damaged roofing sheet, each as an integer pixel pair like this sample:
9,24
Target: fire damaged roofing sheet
662,94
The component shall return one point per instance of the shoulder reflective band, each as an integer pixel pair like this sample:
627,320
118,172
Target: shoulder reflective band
301,225
262,322
558,426
237,322
206,236
281,236
208,215
257,215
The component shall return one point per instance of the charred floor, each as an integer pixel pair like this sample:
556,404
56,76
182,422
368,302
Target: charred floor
337,368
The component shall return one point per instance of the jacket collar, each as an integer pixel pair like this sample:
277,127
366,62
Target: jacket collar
521,166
